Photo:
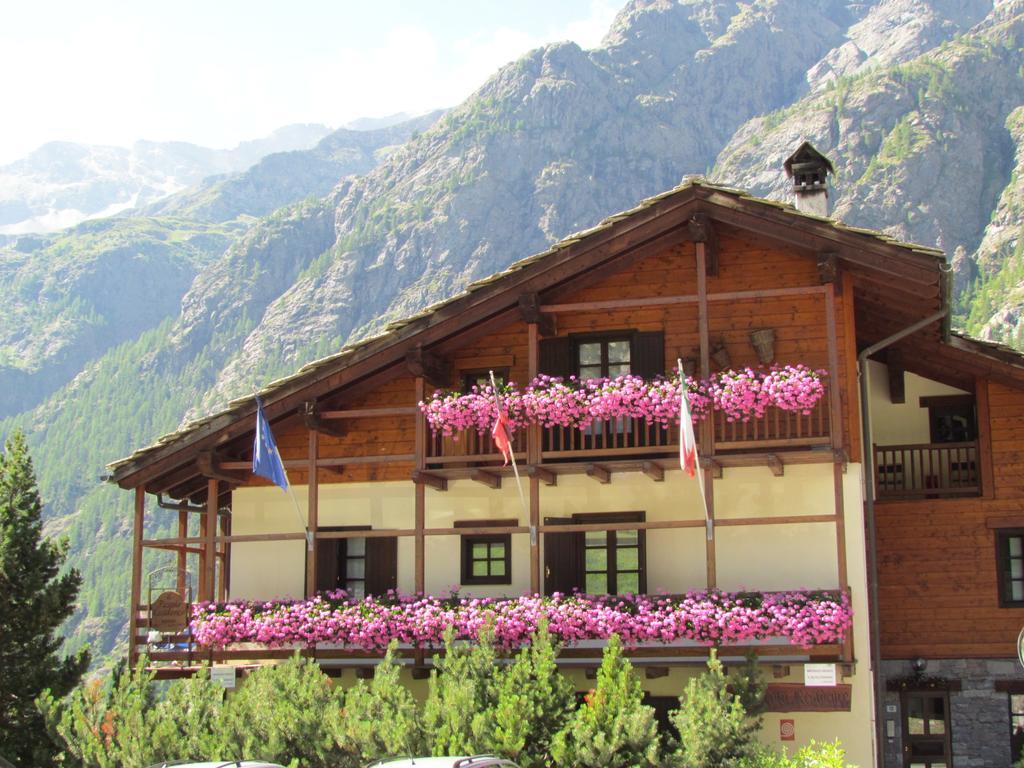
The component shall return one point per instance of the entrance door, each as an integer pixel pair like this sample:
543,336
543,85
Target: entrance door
926,739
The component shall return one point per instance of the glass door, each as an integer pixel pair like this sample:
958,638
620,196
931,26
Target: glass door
926,739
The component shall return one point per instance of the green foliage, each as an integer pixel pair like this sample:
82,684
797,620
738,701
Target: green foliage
814,755
382,718
461,692
714,729
534,701
613,728
182,726
35,599
281,713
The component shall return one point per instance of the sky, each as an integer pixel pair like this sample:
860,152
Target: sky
217,72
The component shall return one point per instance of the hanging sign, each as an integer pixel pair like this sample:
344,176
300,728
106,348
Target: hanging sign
787,730
168,613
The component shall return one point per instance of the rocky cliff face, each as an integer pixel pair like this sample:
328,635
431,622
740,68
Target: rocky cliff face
918,104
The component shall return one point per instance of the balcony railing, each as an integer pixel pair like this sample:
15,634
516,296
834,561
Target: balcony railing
926,470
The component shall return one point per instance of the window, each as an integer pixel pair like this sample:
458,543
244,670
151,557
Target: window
482,378
486,557
951,418
596,562
1010,560
1016,726
603,357
359,565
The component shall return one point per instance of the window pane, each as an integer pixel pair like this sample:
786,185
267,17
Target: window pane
479,550
618,352
1016,569
915,716
628,582
1017,703
627,538
597,560
479,567
596,584
498,550
590,353
497,568
937,716
355,568
357,589
1017,590
1015,546
590,371
620,369
355,547
595,538
627,559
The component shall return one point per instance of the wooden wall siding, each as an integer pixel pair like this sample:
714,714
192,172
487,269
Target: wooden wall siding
506,348
938,590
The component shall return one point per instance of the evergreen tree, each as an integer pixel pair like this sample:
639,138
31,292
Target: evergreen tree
613,728
715,731
35,599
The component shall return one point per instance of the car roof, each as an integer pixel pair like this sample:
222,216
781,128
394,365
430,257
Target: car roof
465,761
216,764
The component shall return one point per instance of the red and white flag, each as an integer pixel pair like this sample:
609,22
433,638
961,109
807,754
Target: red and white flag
687,441
502,435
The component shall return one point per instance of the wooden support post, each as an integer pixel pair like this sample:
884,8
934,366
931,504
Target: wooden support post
313,514
201,571
210,545
707,433
182,580
533,458
984,461
836,425
419,565
136,598
222,558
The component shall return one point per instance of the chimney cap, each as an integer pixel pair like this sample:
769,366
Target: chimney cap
806,153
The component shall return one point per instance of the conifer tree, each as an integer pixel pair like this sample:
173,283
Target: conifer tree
613,728
35,599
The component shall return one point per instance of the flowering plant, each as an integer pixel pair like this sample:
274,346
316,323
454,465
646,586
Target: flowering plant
713,618
554,401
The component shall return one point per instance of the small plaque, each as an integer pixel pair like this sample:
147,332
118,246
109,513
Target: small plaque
223,676
168,613
787,730
820,675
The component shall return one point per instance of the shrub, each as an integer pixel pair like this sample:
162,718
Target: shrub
381,718
281,713
613,728
183,724
814,755
714,729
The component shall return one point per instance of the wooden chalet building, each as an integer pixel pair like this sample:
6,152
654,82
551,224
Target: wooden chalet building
926,492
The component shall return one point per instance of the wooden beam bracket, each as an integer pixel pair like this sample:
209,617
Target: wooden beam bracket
530,312
490,479
897,382
602,474
209,467
653,673
436,482
714,466
828,268
701,230
775,465
654,471
546,476
316,423
433,368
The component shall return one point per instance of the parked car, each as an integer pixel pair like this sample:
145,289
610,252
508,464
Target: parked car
216,764
472,761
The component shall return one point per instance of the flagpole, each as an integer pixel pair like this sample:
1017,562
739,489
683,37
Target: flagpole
303,521
708,523
511,451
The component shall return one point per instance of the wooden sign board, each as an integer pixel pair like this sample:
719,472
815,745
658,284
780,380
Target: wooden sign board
168,613
793,697
223,676
820,675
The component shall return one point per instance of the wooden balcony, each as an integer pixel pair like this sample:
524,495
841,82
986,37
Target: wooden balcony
926,470
625,438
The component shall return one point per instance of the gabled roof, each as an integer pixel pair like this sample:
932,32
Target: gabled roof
909,278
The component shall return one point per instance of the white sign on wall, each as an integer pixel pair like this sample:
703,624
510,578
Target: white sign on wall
223,676
820,675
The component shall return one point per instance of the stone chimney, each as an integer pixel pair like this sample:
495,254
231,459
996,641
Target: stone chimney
809,170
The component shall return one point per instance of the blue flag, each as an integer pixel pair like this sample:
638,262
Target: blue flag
266,461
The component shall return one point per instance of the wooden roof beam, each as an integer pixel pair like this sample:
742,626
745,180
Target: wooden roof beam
208,465
897,383
702,230
529,311
434,369
316,423
828,268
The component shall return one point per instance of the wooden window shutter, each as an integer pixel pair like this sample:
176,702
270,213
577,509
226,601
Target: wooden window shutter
555,358
563,570
648,354
381,564
327,564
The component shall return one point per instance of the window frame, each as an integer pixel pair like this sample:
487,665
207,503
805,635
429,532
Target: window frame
936,403
604,338
344,557
587,518
467,540
1002,536
467,375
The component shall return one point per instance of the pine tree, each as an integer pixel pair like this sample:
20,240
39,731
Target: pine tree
613,728
35,599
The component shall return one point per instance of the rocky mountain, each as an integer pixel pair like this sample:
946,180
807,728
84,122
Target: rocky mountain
918,104
63,183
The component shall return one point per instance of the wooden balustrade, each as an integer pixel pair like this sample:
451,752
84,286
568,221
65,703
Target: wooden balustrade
776,429
469,447
926,470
